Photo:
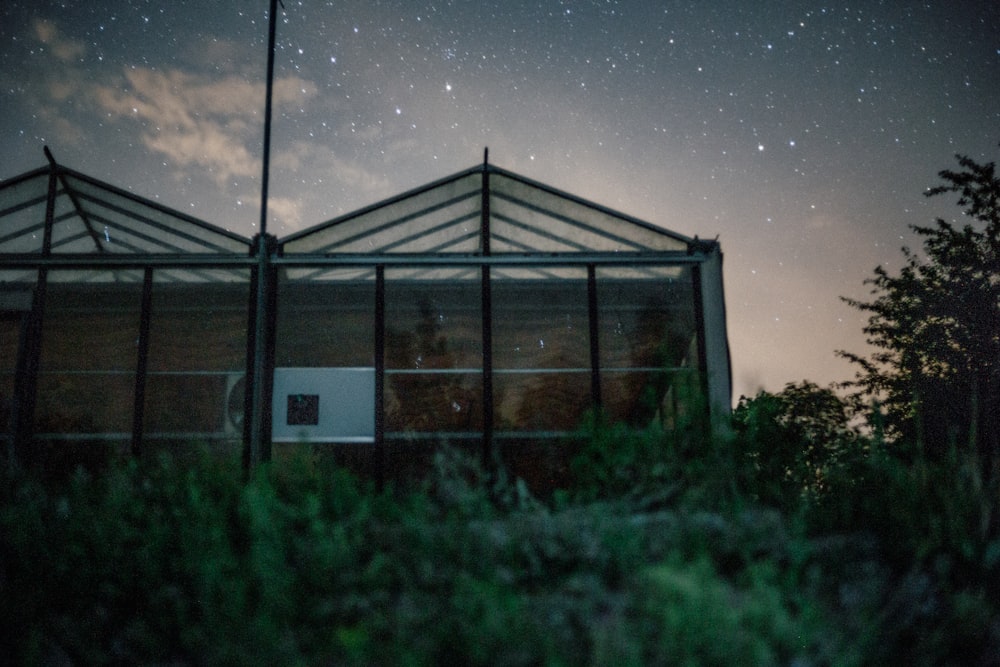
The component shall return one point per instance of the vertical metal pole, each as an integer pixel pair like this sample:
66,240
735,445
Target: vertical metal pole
256,431
595,332
380,373
28,366
142,363
487,317
484,208
269,95
697,293
260,374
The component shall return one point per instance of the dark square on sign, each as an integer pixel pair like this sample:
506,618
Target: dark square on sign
303,409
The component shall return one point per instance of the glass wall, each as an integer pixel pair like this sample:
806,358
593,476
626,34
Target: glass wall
10,337
326,318
541,349
89,352
382,304
541,368
647,340
197,356
433,353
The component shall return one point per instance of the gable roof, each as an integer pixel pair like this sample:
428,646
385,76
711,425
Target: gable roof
92,217
484,210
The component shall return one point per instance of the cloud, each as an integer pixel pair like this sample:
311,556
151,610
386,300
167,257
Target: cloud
286,211
198,121
64,49
320,160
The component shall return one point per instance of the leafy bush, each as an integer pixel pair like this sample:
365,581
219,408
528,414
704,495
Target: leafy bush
792,443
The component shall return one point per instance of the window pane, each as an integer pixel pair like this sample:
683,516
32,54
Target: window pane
540,401
541,350
647,337
22,209
433,351
197,357
541,323
531,218
87,368
645,321
120,223
441,219
434,402
326,319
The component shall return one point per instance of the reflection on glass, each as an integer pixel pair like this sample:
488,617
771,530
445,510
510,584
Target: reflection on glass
541,350
647,340
433,352
541,401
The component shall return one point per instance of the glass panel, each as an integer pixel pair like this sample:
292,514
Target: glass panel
529,218
541,350
442,402
326,319
540,401
87,373
197,357
444,218
22,214
16,289
17,279
433,352
541,323
123,223
639,398
648,332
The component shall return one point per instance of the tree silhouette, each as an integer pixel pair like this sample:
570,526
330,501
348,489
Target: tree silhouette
936,327
795,440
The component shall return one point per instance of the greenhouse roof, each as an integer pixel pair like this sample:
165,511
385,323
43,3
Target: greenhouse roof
484,210
91,217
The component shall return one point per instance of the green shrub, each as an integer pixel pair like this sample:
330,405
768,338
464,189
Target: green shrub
696,617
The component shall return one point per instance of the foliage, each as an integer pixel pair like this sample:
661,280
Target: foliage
675,459
160,561
794,441
936,327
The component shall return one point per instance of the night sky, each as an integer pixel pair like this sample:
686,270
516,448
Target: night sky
802,134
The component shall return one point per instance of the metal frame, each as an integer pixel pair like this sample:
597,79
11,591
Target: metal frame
264,256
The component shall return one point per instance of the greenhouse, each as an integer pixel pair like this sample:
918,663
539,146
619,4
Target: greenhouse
484,310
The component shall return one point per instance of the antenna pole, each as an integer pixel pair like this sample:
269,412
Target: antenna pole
266,174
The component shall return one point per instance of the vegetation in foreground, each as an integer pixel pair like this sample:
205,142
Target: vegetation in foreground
814,534
157,562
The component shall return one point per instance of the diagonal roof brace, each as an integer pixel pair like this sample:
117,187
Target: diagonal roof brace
75,200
